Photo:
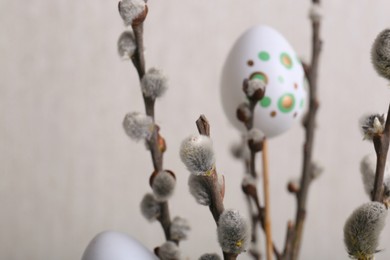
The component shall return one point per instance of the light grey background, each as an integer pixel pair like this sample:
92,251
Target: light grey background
68,171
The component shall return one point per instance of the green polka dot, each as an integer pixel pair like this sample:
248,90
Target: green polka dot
264,56
302,103
286,60
286,103
265,102
281,79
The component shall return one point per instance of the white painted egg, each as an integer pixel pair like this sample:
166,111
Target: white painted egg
263,53
110,245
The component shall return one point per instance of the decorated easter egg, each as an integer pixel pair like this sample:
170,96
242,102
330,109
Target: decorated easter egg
263,53
110,245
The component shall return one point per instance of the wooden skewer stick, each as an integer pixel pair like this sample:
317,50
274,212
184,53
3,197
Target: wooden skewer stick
267,217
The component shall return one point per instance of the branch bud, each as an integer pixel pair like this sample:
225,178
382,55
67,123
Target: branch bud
254,89
255,140
133,12
244,113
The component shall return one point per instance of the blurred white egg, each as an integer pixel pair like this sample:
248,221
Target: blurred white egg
110,245
263,53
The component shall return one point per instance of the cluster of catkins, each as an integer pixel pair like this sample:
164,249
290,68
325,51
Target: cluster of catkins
154,83
198,156
139,126
363,227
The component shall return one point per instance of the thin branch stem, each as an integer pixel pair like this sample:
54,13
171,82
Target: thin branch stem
251,191
165,221
256,254
153,144
309,136
254,221
289,237
381,144
264,213
139,63
138,57
252,164
216,200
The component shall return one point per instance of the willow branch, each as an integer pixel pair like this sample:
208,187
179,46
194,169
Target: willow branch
216,200
139,63
381,144
251,191
153,144
309,139
289,237
216,195
254,221
265,220
256,254
254,147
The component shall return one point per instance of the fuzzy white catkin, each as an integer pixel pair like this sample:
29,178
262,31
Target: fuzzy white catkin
233,234
315,12
169,251
254,85
179,228
380,54
197,154
362,230
210,257
255,134
240,150
373,125
367,169
126,45
236,150
249,180
163,186
130,10
316,169
150,207
138,126
154,83
198,189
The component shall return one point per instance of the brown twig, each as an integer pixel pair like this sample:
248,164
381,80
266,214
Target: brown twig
289,237
256,254
251,191
139,63
309,140
254,221
265,220
216,200
165,221
153,144
381,144
252,164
